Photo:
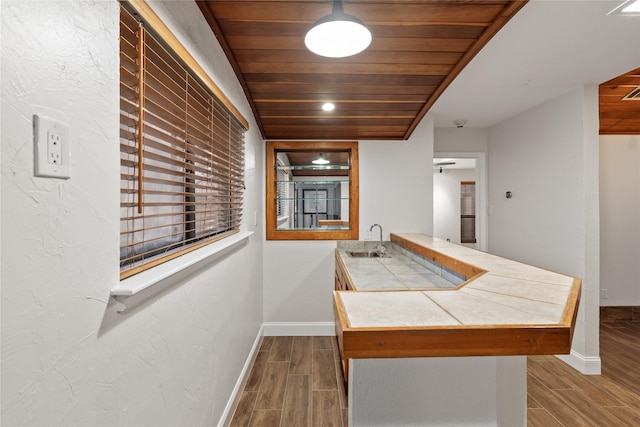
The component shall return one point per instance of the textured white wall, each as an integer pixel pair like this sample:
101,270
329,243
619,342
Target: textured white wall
548,158
67,357
620,219
396,183
395,191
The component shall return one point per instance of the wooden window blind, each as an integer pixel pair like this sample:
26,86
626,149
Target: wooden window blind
181,154
468,212
282,190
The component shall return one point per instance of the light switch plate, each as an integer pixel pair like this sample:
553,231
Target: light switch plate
52,157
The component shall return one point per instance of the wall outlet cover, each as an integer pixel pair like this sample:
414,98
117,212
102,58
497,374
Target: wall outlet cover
52,157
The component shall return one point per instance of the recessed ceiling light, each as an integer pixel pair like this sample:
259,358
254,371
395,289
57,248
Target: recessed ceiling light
328,106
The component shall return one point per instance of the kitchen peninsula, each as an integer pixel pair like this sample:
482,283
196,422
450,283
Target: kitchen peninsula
464,341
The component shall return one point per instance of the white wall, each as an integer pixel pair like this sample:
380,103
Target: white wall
67,357
396,185
461,140
548,158
438,391
446,202
620,220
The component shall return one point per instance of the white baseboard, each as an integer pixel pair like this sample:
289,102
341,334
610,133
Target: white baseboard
283,329
587,365
234,399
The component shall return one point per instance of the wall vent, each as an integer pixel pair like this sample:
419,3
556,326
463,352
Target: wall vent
634,95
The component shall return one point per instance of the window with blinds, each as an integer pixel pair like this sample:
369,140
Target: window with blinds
181,154
468,212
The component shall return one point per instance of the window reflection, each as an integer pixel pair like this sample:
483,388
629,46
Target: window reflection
314,189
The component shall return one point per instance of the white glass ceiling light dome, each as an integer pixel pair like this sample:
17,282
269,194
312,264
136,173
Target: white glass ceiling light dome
337,35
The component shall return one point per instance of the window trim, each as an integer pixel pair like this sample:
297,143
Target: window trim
144,280
151,19
272,233
148,15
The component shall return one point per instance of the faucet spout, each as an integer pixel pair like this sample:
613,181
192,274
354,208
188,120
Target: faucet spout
381,248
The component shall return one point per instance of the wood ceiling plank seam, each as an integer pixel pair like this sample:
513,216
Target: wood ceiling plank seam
390,101
367,11
266,88
392,44
341,97
344,114
291,70
286,82
391,29
369,57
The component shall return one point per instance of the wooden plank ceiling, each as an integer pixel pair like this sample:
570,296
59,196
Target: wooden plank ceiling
418,48
620,116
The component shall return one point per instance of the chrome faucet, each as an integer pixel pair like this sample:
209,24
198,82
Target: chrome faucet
381,248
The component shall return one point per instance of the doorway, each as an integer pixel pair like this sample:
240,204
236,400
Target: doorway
452,173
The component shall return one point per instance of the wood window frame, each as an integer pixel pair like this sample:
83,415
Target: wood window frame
272,233
212,162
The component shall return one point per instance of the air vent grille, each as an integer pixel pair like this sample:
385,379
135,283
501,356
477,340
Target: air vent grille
634,95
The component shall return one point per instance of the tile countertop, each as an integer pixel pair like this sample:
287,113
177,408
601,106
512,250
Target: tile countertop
396,272
506,308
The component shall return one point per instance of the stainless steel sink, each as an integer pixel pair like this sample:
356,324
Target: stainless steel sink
366,254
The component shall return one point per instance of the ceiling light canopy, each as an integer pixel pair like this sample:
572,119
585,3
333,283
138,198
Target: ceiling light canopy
337,35
320,160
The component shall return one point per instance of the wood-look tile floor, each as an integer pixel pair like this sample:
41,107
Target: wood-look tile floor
560,396
297,381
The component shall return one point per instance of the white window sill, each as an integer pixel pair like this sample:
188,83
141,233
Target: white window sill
144,280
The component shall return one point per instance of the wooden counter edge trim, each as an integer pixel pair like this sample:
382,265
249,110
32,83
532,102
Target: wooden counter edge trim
468,270
571,307
451,340
341,322
345,270
455,342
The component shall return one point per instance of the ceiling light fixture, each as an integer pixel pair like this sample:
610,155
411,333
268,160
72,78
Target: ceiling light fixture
328,106
320,160
337,35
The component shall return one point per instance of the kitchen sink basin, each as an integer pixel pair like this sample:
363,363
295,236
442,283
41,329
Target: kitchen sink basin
366,254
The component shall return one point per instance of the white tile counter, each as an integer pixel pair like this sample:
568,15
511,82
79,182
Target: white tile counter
504,308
